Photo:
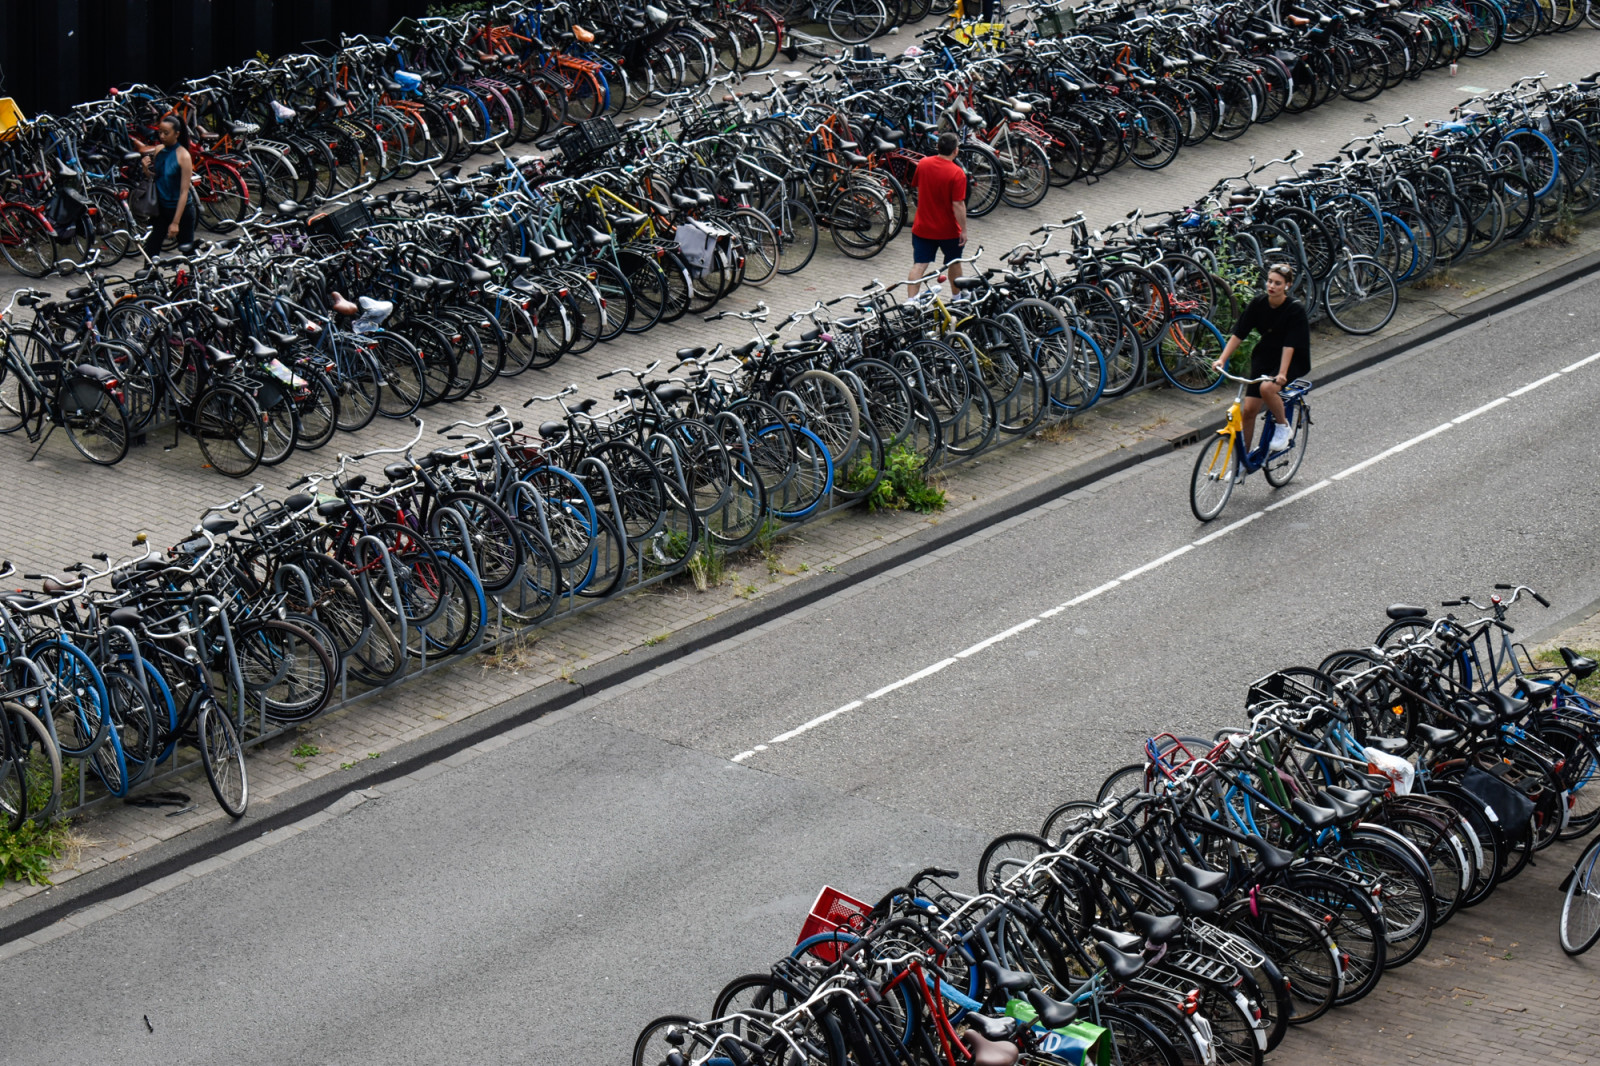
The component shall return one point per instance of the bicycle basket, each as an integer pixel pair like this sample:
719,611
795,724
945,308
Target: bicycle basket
1058,23
587,139
1281,686
341,223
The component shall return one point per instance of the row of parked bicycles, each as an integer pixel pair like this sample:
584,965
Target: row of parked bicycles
1062,93
1216,892
288,332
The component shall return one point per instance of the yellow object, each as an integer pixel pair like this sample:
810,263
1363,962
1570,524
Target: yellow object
11,117
995,30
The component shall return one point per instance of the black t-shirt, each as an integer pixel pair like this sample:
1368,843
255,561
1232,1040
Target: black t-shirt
1281,327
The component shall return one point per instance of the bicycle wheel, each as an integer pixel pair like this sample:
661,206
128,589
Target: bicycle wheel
222,194
25,242
227,427
223,757
986,178
758,244
95,422
1027,172
1186,348
796,225
287,672
1580,911
1216,472
38,761
855,21
1155,136
860,222
1360,295
1280,468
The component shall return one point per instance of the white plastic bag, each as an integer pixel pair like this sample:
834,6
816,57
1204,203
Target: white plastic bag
1396,769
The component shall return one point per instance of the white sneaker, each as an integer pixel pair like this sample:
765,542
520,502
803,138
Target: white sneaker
1282,438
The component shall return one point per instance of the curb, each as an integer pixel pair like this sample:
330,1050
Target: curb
207,842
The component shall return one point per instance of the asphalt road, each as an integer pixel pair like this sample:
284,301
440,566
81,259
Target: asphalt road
540,902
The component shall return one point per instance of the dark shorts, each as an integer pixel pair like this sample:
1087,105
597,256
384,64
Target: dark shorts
923,249
1299,367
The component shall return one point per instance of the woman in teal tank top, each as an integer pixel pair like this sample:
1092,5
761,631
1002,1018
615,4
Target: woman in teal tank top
172,166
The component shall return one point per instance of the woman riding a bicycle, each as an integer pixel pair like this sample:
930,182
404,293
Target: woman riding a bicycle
1283,350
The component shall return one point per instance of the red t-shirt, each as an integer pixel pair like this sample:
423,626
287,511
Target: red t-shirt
939,183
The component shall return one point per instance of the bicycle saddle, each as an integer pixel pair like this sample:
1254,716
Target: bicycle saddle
967,282
483,262
217,525
1273,858
923,127
1433,736
371,306
1392,745
1053,1013
518,262
559,245
986,1052
262,351
1580,665
1477,715
1129,942
1194,899
1000,977
332,508
1406,610
479,277
218,356
992,1028
1122,966
668,392
1315,818
583,407
56,588
1356,797
282,340
1346,812
1204,880
419,283
298,502
690,353
745,350
1506,708
129,617
683,202
96,373
586,36
551,430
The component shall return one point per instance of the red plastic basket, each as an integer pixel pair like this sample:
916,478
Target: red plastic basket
833,912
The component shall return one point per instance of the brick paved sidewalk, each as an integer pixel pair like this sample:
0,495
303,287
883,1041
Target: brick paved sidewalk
555,654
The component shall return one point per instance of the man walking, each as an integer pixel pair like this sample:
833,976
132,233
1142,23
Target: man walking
941,222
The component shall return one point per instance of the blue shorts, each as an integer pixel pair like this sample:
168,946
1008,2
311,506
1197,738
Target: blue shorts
923,249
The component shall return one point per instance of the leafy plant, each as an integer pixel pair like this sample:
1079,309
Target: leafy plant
905,486
27,853
303,750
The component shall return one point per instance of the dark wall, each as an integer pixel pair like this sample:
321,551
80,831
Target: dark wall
56,53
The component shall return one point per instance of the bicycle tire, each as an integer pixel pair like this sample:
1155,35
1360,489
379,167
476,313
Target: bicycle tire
223,758
1216,474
